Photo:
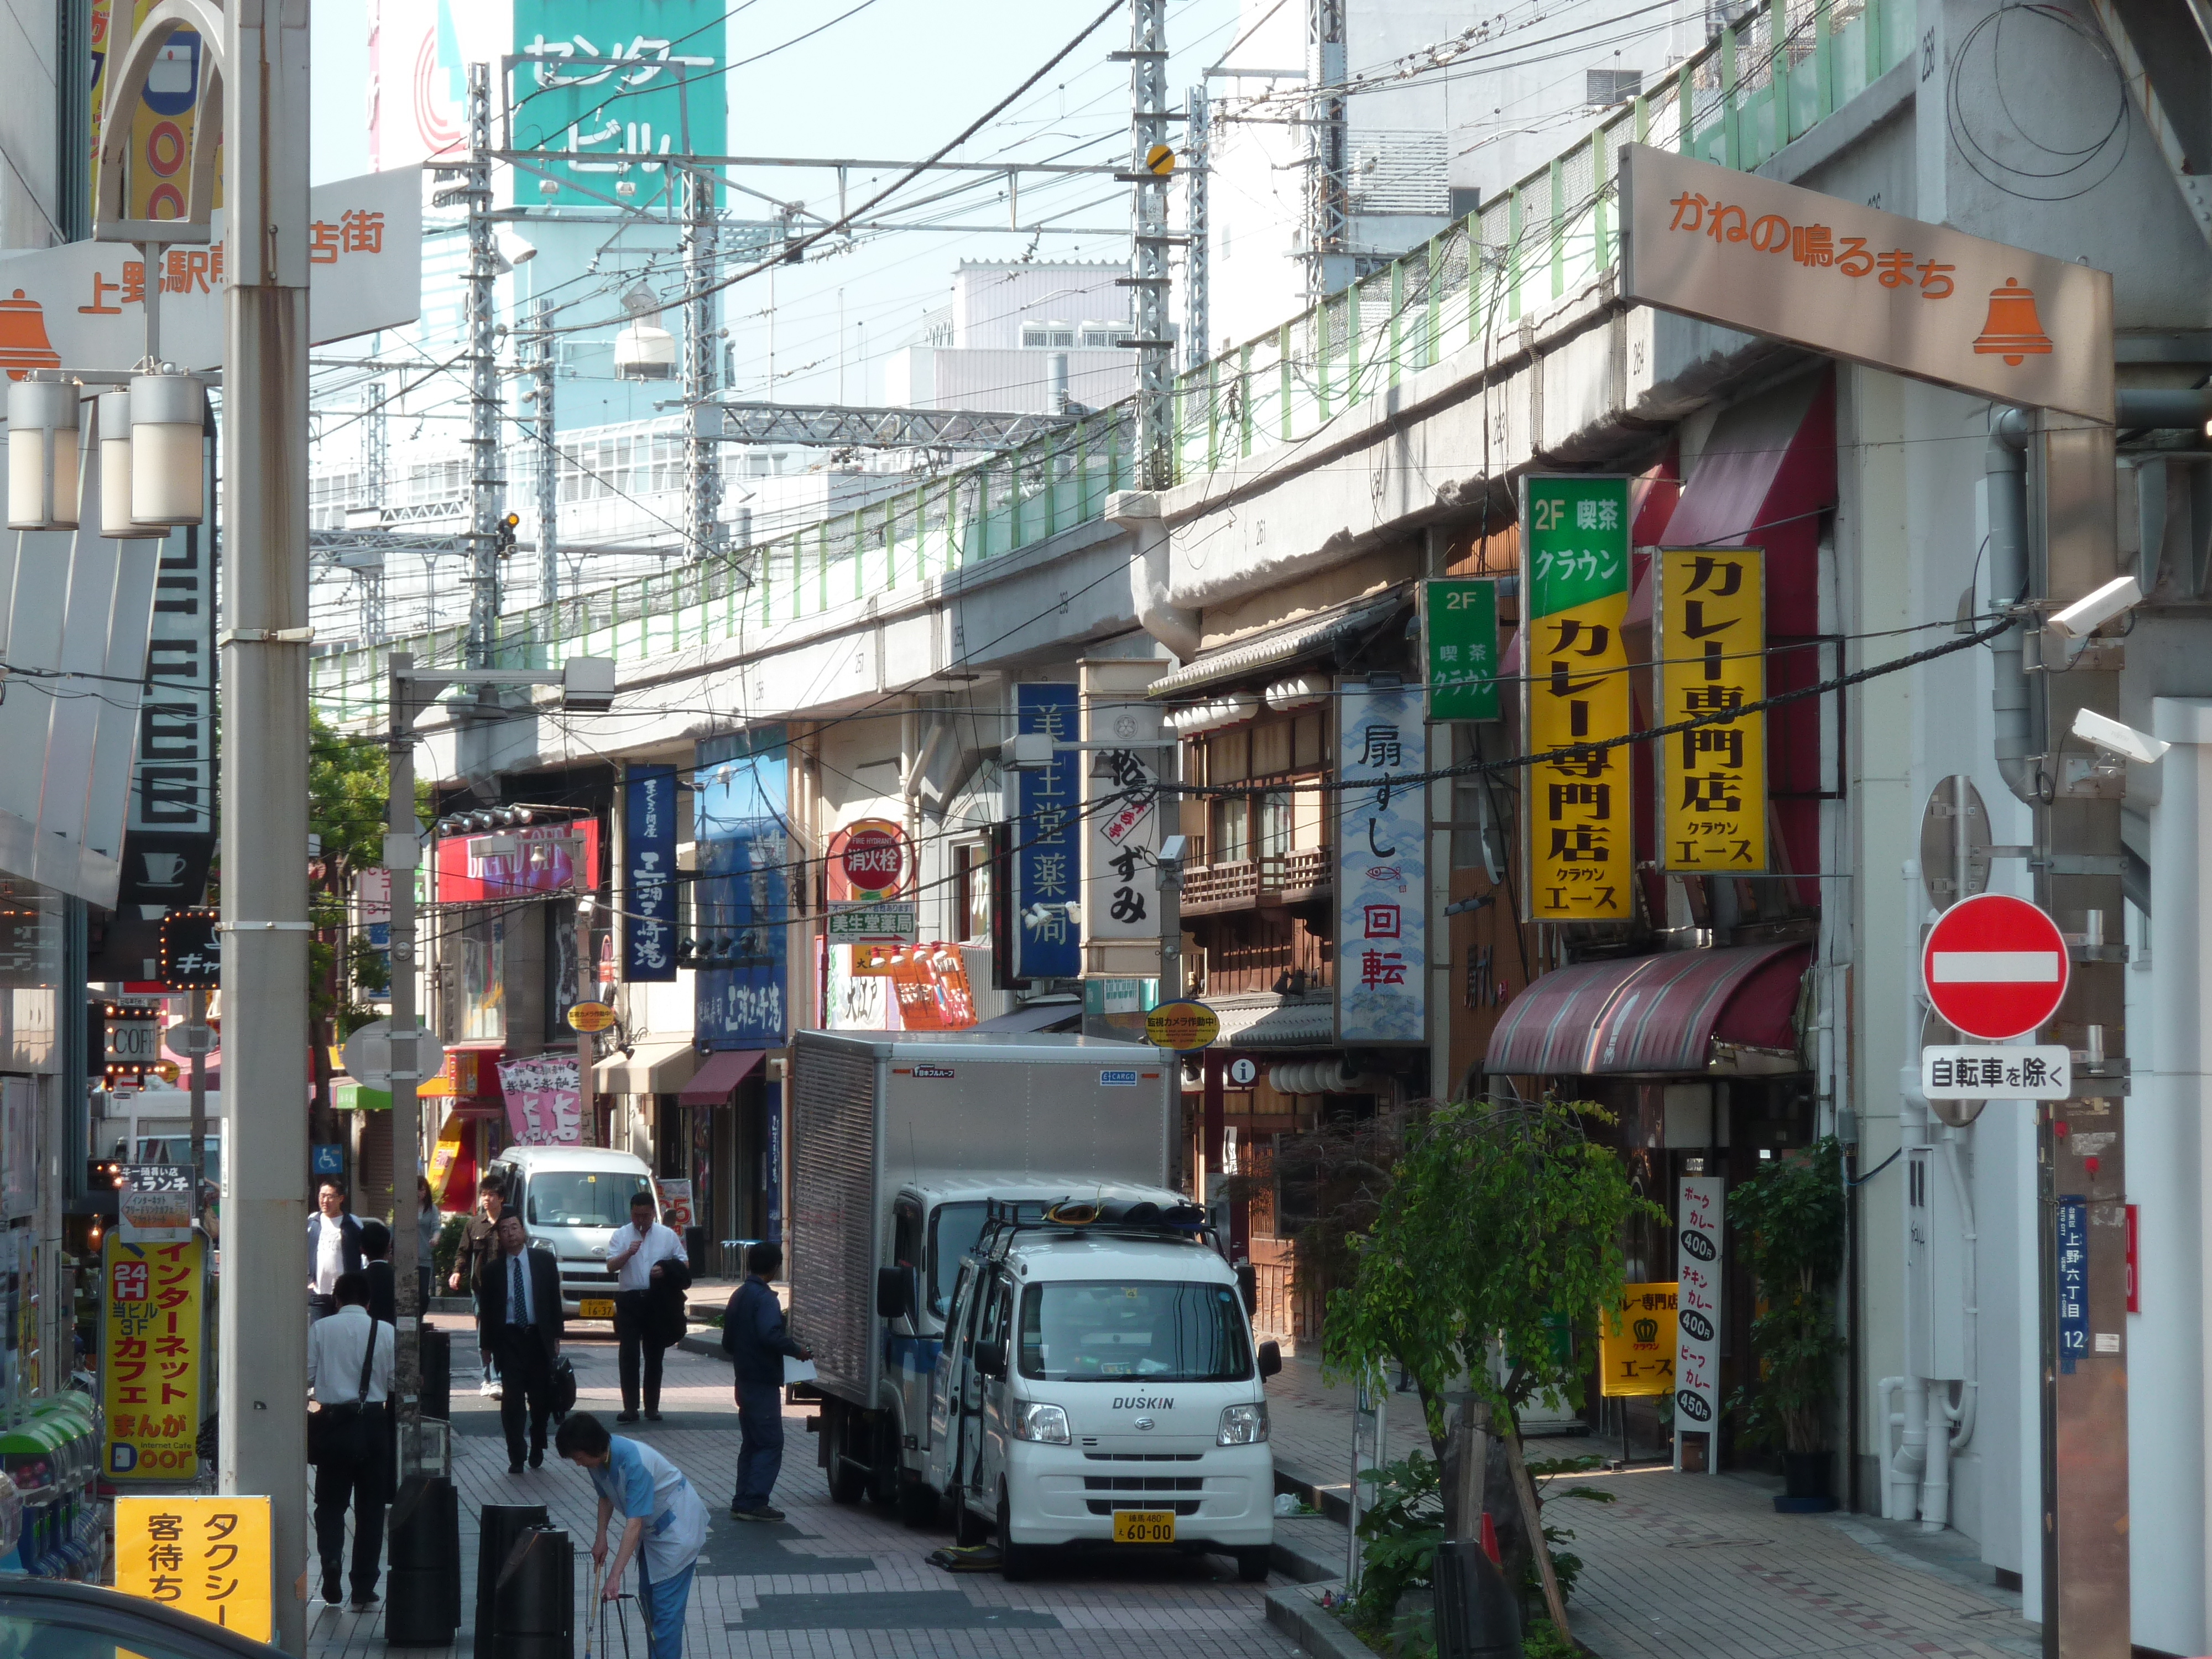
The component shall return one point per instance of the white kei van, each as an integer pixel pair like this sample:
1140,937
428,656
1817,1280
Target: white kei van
571,1200
1098,1385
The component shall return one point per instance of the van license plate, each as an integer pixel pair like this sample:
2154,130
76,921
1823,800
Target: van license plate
1144,1526
596,1307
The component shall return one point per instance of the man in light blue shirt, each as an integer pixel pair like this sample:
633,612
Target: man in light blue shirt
664,1525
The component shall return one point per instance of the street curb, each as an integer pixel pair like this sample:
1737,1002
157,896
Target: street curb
1329,1500
1301,1568
710,1345
1298,1613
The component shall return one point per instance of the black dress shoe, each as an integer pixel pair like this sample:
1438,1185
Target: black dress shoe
332,1594
538,1458
652,1414
625,1417
515,1466
363,1603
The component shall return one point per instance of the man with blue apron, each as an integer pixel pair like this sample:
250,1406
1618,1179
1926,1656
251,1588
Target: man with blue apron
665,1524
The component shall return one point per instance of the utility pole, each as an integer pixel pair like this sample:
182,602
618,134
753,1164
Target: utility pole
1198,145
1150,164
702,426
1328,218
261,1394
484,492
403,855
542,357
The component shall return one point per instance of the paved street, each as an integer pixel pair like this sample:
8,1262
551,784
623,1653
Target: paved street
832,1581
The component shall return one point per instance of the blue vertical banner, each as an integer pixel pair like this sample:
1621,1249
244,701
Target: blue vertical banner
2073,1245
741,804
1047,873
1382,874
648,918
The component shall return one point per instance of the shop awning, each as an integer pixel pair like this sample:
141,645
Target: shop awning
1681,1013
1059,1014
1278,647
718,1074
651,1068
1267,1020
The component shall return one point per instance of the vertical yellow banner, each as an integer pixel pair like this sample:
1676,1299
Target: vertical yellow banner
152,1365
1580,836
1709,640
209,1557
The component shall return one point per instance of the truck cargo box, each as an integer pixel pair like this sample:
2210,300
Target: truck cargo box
869,1109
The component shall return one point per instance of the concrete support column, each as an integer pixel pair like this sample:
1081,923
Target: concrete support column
2172,1369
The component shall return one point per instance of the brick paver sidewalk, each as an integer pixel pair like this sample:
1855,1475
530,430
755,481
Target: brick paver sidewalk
1687,1566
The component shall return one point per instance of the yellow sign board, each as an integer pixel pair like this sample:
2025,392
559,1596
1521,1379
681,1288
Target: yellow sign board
209,1557
1184,1027
1710,642
1580,846
444,1156
153,1359
1636,1344
590,1016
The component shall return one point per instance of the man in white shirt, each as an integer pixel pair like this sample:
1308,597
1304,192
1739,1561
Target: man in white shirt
640,1254
333,1246
350,1465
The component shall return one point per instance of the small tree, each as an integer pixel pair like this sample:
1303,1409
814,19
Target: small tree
1501,1220
1788,1221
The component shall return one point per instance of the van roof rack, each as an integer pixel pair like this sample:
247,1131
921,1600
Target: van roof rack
1004,1219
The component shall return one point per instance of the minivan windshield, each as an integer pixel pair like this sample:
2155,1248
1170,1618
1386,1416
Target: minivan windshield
583,1198
1105,1330
953,1230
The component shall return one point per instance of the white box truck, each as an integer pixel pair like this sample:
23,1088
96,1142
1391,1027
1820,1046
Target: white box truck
900,1141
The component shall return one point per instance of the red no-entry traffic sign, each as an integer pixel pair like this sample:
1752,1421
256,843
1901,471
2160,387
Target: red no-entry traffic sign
1995,967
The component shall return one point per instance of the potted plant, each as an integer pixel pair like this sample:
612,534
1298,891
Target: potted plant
1788,1226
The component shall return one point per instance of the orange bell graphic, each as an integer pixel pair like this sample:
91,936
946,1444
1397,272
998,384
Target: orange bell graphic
23,343
2012,331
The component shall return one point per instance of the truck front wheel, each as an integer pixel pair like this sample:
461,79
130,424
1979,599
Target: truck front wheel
848,1479
1252,1567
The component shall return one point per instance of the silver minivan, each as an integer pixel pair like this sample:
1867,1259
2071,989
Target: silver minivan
571,1200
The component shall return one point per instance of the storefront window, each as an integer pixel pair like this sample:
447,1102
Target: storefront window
1232,831
483,976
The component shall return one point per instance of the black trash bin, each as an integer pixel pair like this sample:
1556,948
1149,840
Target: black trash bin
500,1527
437,1351
534,1598
1477,1614
422,1593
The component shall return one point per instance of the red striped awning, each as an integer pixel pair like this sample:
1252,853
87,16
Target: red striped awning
1655,1015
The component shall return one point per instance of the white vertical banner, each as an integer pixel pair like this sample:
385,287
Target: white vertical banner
1698,1218
1381,864
1123,812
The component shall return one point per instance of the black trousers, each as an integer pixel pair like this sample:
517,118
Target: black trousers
358,1483
633,1330
525,1376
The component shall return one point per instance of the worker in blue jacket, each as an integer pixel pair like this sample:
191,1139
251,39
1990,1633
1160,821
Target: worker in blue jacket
754,1337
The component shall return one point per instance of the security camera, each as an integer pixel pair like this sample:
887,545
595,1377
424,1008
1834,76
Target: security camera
2093,610
2115,738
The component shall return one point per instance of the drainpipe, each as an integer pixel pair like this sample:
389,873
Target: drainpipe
1963,1414
2005,467
1909,1463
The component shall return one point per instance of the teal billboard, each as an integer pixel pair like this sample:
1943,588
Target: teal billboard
601,90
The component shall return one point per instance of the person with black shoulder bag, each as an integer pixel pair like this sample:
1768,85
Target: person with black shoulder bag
349,1358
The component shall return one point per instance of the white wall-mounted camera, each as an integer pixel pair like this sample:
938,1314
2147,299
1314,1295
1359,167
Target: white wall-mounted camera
2116,738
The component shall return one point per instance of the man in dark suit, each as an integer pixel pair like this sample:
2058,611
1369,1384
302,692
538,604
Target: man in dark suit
519,1295
333,1248
376,1262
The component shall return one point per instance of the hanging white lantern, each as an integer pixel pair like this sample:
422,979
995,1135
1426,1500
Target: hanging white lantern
168,473
42,480
114,428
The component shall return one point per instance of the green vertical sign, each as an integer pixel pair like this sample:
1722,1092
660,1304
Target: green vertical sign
1575,546
1459,635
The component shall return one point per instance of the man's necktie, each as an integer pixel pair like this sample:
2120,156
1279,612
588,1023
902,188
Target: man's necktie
517,1312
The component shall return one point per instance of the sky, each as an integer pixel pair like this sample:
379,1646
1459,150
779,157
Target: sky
894,79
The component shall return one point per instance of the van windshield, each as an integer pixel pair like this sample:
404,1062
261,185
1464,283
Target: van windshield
583,1198
953,1230
1105,1330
